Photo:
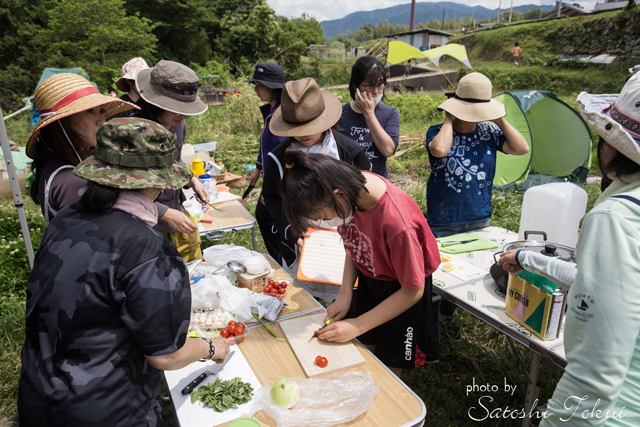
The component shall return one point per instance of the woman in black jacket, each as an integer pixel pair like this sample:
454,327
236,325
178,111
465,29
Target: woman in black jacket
306,116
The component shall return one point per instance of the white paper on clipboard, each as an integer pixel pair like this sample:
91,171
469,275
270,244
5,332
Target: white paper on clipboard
322,257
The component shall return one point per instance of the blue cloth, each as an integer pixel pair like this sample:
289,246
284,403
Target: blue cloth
460,184
355,127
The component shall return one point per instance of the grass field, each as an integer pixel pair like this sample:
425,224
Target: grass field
482,357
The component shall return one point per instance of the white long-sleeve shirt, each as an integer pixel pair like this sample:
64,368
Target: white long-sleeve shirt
601,383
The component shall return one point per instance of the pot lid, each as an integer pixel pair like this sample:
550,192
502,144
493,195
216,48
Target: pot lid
554,250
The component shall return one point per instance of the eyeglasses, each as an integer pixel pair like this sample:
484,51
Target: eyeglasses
370,88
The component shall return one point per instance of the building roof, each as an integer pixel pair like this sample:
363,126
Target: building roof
420,31
566,10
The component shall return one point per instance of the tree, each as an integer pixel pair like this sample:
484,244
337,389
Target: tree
181,27
97,36
248,35
531,14
20,54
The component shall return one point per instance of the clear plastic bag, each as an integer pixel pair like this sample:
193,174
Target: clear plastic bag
219,255
216,291
323,402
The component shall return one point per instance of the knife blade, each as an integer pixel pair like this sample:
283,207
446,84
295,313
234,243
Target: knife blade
315,334
462,242
247,191
213,370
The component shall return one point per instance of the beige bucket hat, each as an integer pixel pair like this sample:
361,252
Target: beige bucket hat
472,102
171,86
305,110
618,122
65,94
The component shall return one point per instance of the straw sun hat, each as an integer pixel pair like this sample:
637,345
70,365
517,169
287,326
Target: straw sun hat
171,86
619,121
472,102
65,94
305,110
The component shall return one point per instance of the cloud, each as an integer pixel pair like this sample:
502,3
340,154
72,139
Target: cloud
324,10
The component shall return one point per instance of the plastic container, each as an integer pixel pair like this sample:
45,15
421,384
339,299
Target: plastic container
206,181
556,209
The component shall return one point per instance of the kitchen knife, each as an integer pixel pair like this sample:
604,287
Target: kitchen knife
247,191
214,370
451,243
315,334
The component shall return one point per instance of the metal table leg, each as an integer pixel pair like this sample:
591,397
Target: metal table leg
253,236
532,388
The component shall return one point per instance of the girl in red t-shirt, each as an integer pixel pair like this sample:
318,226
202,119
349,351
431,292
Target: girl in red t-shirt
390,250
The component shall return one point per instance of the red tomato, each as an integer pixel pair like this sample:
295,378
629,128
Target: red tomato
268,289
276,285
232,323
322,362
318,357
224,333
283,285
232,330
281,291
239,329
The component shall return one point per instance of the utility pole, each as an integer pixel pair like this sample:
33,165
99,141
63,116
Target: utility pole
499,9
442,25
559,7
511,12
412,18
541,9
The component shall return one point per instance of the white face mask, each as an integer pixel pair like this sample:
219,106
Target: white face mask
336,220
378,98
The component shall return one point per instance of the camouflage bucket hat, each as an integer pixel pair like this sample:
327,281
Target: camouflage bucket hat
134,153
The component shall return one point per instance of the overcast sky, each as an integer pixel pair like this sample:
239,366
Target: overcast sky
323,10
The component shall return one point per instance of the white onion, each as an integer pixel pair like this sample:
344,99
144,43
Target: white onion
285,392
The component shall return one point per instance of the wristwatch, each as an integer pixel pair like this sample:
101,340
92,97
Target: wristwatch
212,349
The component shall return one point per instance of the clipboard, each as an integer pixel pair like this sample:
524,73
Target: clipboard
322,257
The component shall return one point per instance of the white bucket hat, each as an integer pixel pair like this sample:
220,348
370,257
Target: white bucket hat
616,118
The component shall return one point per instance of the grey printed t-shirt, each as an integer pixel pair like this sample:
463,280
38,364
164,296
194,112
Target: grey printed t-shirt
105,290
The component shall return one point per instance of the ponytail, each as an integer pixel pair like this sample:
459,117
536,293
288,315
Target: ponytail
309,183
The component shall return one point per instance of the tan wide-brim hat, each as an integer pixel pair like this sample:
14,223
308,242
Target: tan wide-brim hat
616,118
472,102
65,94
305,110
171,86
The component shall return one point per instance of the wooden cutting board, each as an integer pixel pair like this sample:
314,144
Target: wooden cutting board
340,355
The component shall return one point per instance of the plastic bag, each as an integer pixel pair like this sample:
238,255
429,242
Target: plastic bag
216,291
219,255
204,296
323,402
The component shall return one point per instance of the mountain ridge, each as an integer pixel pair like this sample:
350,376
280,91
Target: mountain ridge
425,11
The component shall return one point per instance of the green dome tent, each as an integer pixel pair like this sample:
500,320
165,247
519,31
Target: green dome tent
559,140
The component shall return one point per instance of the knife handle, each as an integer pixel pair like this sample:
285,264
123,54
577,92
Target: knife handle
189,388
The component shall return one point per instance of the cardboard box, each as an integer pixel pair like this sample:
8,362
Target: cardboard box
257,282
536,303
22,165
5,184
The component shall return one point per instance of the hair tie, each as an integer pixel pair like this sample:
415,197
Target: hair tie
290,165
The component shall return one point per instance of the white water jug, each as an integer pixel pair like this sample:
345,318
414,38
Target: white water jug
556,209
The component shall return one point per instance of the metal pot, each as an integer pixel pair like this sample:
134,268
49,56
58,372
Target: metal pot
501,276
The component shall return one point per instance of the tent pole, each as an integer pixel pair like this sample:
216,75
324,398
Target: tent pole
15,188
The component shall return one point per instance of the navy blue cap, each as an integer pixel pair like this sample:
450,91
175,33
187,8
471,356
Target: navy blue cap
269,74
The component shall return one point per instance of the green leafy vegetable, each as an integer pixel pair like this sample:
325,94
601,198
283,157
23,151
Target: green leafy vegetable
222,395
